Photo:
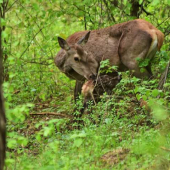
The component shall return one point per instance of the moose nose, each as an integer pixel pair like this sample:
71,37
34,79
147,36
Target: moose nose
92,77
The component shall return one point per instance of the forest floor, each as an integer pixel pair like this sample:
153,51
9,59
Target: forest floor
114,156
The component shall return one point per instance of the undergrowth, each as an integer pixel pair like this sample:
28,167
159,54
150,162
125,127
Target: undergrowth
117,122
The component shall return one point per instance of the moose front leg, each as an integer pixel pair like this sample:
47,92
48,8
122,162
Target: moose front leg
77,90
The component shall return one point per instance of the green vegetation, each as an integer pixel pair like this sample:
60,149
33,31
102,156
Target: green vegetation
122,132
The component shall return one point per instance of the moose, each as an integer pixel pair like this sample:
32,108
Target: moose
122,44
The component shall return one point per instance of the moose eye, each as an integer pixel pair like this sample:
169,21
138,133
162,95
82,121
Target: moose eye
76,58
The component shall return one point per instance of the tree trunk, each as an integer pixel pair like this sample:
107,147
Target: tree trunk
2,111
134,11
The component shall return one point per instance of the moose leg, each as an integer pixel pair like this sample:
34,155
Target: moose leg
139,72
77,92
133,65
77,89
148,68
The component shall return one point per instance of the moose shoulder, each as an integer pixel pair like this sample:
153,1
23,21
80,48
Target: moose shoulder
122,44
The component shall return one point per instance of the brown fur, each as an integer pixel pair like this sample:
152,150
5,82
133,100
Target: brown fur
88,88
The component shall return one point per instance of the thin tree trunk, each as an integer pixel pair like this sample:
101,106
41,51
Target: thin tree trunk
134,11
2,111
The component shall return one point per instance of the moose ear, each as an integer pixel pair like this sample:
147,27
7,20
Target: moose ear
84,39
79,49
63,44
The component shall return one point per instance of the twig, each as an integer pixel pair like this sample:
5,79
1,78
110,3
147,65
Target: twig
31,17
11,5
109,13
162,22
166,149
167,33
41,63
146,12
30,43
52,113
164,77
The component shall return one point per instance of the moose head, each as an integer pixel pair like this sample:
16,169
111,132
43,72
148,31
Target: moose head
77,63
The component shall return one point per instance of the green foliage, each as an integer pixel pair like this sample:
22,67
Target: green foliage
106,68
118,121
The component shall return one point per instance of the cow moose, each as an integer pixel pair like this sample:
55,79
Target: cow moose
81,54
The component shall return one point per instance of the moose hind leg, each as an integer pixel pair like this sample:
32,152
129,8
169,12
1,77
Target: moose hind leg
148,68
136,70
140,72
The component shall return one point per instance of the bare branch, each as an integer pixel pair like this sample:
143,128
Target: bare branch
30,43
109,13
11,5
53,113
163,21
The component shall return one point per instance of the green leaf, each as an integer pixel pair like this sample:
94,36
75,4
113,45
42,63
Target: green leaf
2,21
35,6
125,1
108,120
47,131
144,97
159,113
12,143
9,161
155,93
168,1
38,137
4,34
136,89
142,70
138,96
80,135
77,142
155,2
140,1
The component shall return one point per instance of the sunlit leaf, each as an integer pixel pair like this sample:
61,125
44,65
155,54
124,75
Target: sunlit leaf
155,93
78,142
